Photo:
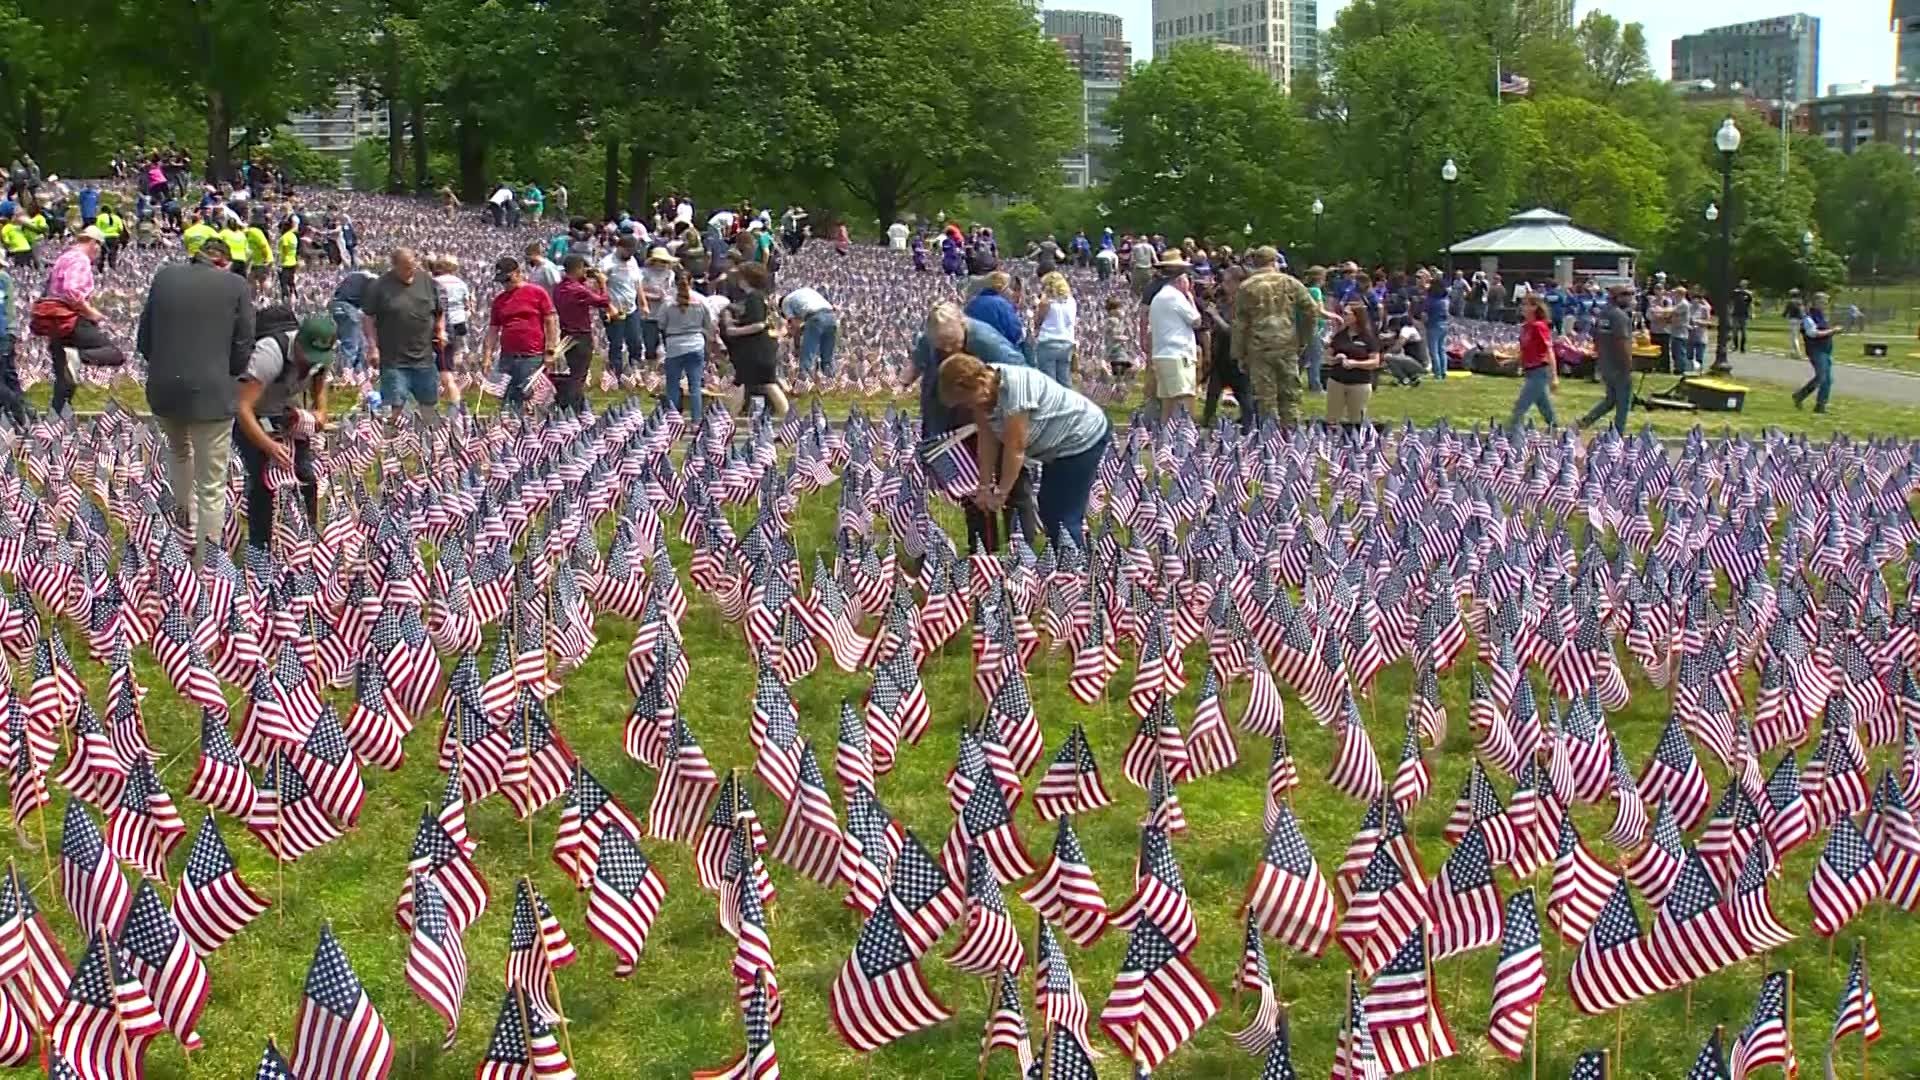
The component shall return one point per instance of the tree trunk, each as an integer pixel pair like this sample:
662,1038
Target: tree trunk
639,181
33,125
610,180
396,149
417,127
219,158
471,148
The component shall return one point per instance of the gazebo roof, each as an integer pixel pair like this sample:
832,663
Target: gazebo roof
1540,232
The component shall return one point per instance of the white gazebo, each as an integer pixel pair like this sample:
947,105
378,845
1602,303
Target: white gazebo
1542,243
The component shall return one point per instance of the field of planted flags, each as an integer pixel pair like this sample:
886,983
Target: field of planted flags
612,745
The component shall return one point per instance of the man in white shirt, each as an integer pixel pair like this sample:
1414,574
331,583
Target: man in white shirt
722,220
1171,319
683,212
897,236
622,270
499,205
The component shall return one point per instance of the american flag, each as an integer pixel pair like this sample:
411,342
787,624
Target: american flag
1581,885
1694,936
1355,1058
880,994
988,941
29,952
1288,895
1007,1024
95,770
1157,740
985,820
923,899
809,840
1788,820
1071,784
853,751
759,1061
144,827
298,824
220,778
741,864
1210,744
1056,995
1754,921
272,1065
872,841
1712,1062
686,787
1404,1013
1857,1011
949,464
1675,775
1160,893
1478,805
90,881
1591,1065
1256,974
1065,892
1766,1040
1616,964
436,957
1519,978
523,1046
1283,775
463,891
1463,901
1069,1060
625,899
752,945
338,1035
539,763
327,763
1896,841
153,949
1388,903
536,948
1159,998
1411,780
1654,871
776,736
588,813
1356,768
1845,880
213,904
105,1020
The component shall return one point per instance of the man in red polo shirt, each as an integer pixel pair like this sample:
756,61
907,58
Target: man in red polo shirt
580,293
523,328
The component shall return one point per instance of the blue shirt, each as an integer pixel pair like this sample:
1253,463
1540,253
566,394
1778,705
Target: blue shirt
983,341
996,311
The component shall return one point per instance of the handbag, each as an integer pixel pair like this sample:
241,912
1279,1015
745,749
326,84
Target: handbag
53,318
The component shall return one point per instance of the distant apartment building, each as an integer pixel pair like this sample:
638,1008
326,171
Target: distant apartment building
1850,117
1280,37
1905,20
1096,46
1776,58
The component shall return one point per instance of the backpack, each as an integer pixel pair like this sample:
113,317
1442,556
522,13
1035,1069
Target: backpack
278,322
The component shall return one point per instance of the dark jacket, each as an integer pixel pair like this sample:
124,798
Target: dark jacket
196,332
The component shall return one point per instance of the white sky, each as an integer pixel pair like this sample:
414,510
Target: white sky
1855,43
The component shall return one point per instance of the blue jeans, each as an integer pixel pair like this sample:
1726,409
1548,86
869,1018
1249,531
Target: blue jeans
1055,358
817,341
519,370
1821,385
1065,484
398,384
1535,390
1315,348
1619,398
351,345
623,338
694,366
1437,347
650,337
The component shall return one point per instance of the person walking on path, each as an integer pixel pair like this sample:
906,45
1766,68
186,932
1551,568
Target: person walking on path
1818,333
196,332
1613,342
280,402
404,322
1273,313
1056,320
1173,322
1540,376
688,330
522,328
1740,311
1796,315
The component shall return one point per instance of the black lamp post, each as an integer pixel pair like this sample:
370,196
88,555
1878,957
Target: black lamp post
1318,209
1448,174
1727,139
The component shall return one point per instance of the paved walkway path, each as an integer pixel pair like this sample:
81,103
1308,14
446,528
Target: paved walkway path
1854,380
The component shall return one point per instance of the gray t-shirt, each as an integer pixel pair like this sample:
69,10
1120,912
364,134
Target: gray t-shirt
403,318
1616,338
1060,422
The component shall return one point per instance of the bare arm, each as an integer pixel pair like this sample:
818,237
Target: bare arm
246,395
1013,453
553,331
987,451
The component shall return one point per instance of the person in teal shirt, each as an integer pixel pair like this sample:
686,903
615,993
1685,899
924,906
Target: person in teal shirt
534,201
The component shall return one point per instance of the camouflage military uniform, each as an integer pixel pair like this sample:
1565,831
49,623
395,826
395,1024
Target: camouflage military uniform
1272,316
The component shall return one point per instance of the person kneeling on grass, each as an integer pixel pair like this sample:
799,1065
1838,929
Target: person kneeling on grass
1023,414
280,402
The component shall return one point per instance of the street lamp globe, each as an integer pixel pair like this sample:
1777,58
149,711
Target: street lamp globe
1319,208
1713,211
1449,172
1728,137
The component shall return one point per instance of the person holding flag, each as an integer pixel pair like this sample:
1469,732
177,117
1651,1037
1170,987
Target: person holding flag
280,401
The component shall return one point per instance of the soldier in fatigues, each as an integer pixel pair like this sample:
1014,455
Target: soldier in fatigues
1272,316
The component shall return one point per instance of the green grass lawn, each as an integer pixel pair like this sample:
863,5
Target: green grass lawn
677,1011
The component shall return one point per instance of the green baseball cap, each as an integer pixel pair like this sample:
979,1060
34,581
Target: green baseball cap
317,337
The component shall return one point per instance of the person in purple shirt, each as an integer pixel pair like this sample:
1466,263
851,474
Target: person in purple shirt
991,306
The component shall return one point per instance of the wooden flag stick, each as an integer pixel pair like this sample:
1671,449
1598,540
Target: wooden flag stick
1533,1065
1606,1064
46,852
526,1027
546,961
1792,1065
1046,1050
1864,984
1619,1030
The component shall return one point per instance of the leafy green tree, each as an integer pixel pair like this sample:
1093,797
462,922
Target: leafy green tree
1591,163
1201,136
1615,53
1867,204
